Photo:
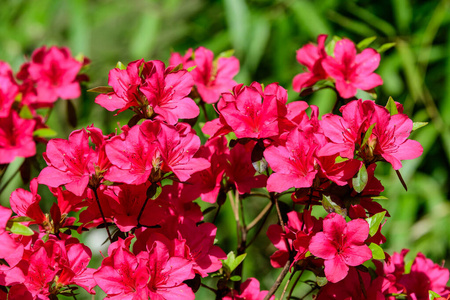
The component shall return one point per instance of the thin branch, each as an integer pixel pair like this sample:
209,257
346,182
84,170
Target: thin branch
286,285
2,189
295,283
279,280
260,216
103,215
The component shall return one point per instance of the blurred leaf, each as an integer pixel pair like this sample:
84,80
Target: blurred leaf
238,20
385,47
71,113
21,229
330,206
366,42
321,281
433,295
391,106
329,47
360,181
121,66
144,38
403,14
368,134
351,24
25,113
375,222
226,54
101,90
259,37
309,18
377,251
417,125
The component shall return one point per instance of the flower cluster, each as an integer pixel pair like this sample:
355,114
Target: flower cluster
141,183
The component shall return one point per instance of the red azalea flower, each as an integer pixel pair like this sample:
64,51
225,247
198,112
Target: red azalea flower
211,77
352,71
341,244
16,138
8,89
148,88
54,73
293,164
311,56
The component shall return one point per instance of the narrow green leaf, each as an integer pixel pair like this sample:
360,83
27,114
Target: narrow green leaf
45,132
375,222
377,251
102,90
21,229
321,281
235,278
339,159
360,181
417,125
432,295
226,54
379,198
391,106
232,261
192,68
366,42
20,219
330,206
25,113
385,47
368,134
177,68
329,47
121,66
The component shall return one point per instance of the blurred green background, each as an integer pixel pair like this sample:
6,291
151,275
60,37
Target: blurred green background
265,35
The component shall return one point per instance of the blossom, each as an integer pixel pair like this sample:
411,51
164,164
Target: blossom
70,163
8,89
352,71
293,164
53,72
250,290
211,77
16,138
311,56
151,90
341,244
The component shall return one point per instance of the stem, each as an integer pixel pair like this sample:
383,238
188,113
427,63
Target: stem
208,287
142,209
216,214
260,226
103,215
295,283
2,189
260,216
401,179
280,278
202,105
286,285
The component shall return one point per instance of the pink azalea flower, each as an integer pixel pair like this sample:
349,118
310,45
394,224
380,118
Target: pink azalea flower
211,77
341,245
16,138
293,164
26,204
149,88
311,56
352,71
8,89
54,72
70,163
250,290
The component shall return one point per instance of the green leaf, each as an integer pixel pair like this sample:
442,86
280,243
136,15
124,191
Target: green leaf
21,229
232,262
385,47
375,221
20,219
226,54
331,206
432,295
121,66
379,198
45,132
340,159
360,181
391,106
321,281
366,42
329,47
102,90
25,113
235,278
191,68
368,134
377,251
177,68
417,125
